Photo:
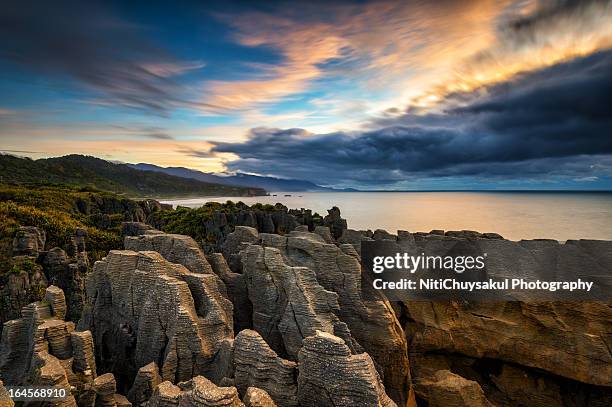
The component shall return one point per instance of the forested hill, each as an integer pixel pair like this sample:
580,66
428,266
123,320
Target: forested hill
120,178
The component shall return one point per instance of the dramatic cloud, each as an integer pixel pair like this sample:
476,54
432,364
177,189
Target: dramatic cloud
418,52
83,41
554,121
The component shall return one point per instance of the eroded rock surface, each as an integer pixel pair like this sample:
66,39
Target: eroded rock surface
338,271
329,375
144,309
42,349
289,304
256,365
451,390
198,391
255,397
541,351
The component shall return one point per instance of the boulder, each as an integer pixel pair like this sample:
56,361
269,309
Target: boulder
335,223
451,390
198,391
255,397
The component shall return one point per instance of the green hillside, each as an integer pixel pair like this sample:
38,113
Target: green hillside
119,178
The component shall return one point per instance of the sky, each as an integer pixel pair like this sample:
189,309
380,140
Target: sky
398,95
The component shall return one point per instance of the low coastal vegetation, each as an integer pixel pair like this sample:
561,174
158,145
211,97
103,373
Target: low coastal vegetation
60,210
54,209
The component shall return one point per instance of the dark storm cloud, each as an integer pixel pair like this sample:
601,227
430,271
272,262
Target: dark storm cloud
555,121
86,43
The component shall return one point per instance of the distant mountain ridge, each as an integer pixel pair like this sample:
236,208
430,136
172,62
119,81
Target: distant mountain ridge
270,184
105,175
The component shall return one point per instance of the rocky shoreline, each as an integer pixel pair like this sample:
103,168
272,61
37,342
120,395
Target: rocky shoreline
271,313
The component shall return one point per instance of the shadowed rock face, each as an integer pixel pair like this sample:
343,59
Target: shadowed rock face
236,290
331,376
338,270
142,309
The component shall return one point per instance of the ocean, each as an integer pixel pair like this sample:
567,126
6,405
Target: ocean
514,215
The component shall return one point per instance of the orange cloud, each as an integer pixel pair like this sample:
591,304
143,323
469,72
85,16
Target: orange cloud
376,42
417,52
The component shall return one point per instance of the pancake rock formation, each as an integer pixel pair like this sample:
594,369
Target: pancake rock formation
142,308
331,376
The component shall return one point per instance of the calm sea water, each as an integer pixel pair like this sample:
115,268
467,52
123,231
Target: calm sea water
514,215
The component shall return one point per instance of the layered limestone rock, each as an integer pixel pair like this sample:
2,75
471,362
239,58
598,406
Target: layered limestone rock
142,308
135,228
329,375
42,349
103,210
179,249
165,394
235,242
25,281
564,338
255,397
198,391
288,302
265,219
338,271
147,379
38,331
354,238
256,365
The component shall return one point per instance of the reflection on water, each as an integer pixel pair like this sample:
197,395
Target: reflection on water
514,215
